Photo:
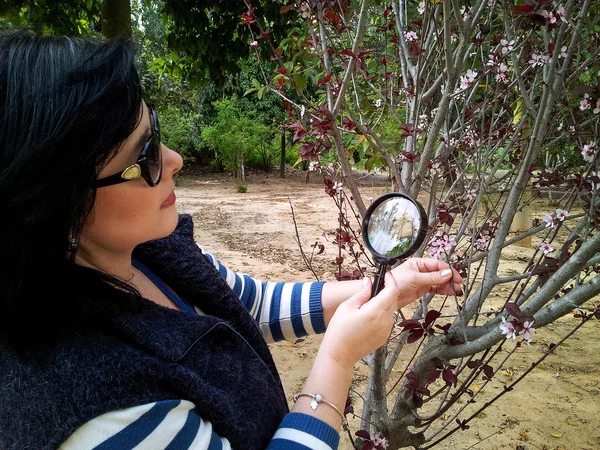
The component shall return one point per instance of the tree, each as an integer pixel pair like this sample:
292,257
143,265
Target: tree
478,93
233,136
112,17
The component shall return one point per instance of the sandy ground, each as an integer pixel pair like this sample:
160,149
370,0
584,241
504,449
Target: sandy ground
556,407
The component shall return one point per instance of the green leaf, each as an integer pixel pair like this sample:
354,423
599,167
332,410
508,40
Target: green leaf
298,161
261,92
250,91
300,81
89,4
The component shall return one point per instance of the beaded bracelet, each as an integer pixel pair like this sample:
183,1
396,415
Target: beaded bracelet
314,403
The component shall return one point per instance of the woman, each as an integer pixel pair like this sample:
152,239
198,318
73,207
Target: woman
116,330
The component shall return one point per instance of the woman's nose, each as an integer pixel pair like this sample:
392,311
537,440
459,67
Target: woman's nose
172,161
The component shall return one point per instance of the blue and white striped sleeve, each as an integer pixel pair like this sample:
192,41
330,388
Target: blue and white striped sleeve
176,425
283,310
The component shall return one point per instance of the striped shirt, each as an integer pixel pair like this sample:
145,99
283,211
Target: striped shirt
283,311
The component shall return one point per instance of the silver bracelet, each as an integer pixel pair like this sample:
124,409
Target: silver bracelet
314,403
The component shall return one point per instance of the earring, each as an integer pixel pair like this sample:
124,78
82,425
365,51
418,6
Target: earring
73,245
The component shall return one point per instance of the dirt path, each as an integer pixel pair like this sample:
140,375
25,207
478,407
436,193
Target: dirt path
556,407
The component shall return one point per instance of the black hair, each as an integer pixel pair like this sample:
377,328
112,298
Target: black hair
66,105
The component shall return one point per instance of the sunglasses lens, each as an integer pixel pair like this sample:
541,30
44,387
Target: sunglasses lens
153,154
154,160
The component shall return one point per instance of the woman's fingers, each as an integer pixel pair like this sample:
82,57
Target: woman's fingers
388,296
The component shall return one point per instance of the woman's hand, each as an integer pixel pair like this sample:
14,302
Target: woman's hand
359,325
419,276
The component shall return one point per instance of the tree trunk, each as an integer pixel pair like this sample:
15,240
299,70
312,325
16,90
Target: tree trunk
282,162
116,19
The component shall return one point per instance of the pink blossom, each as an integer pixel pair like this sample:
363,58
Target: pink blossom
507,46
305,12
441,244
464,11
527,331
493,60
254,44
538,59
421,8
546,248
563,52
471,194
480,244
549,220
314,165
508,329
337,186
502,75
379,441
585,103
436,168
560,11
588,152
597,108
561,214
411,35
467,79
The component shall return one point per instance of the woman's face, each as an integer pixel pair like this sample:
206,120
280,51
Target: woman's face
127,214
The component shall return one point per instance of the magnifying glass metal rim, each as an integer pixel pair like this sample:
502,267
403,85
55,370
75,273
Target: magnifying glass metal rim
421,232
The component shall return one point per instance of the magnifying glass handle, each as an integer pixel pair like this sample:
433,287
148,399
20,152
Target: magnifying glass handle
378,283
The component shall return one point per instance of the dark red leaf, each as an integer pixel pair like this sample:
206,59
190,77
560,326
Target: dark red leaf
333,17
363,434
474,363
410,324
514,310
285,9
433,375
437,362
408,155
523,9
431,317
415,335
449,377
348,408
368,446
446,218
488,371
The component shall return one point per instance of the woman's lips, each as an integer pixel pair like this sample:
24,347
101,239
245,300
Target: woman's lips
169,201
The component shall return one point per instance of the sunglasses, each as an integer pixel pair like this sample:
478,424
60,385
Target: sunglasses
149,164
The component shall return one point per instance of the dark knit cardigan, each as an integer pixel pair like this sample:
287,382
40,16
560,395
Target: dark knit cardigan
219,361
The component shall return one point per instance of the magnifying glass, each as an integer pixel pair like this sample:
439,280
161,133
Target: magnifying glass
394,227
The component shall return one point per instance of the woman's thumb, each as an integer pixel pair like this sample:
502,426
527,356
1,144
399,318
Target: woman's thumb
363,295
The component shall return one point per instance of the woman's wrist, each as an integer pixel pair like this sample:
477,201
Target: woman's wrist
331,380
